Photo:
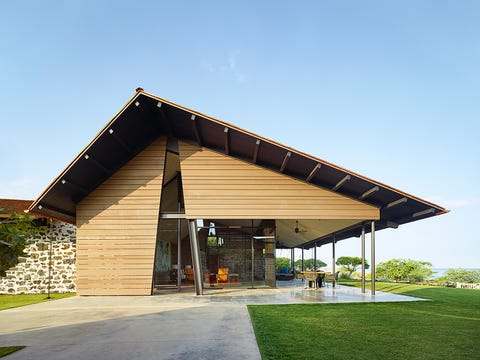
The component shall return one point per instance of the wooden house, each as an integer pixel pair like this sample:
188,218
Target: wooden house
166,196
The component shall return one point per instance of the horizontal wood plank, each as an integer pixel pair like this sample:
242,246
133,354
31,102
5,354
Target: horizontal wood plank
217,186
117,225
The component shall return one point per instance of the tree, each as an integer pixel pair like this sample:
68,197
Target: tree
282,263
404,270
308,264
350,263
452,276
14,232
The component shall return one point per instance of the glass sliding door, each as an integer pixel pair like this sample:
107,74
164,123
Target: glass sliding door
168,264
226,247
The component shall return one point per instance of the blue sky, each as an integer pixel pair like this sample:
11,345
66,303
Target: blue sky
386,89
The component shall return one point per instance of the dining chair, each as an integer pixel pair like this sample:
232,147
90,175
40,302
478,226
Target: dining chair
332,278
311,277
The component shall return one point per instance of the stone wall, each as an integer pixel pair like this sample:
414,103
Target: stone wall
30,275
236,255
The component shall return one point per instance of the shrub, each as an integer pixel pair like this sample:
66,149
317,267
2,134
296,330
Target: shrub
282,263
453,276
404,270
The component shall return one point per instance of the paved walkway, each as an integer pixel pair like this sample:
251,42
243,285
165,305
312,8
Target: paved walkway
173,326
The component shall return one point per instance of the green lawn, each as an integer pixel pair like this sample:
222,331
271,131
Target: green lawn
448,327
11,301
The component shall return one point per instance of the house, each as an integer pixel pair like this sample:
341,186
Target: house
166,196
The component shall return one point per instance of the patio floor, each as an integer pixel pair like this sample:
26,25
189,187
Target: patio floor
288,292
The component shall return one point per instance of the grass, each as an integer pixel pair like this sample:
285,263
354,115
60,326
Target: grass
4,351
447,327
12,301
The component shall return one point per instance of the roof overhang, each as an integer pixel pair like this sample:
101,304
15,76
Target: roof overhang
145,117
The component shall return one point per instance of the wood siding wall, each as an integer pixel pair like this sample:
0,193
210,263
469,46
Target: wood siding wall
117,228
217,186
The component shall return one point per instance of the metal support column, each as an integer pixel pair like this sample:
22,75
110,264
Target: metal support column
303,258
179,255
292,258
363,258
333,258
373,257
253,264
197,271
49,267
315,256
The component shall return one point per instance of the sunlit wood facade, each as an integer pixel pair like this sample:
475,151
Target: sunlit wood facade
117,226
117,223
217,186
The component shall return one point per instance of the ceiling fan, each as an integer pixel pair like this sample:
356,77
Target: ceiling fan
298,230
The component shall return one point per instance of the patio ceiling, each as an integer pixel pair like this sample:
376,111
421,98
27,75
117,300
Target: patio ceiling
146,117
288,236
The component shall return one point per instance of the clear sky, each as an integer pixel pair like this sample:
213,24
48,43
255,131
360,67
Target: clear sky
389,89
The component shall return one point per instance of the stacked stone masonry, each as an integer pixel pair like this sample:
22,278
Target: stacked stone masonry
30,275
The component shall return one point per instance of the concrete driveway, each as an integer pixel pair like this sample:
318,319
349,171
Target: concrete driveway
176,326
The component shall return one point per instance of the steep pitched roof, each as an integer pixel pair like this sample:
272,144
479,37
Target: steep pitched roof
145,117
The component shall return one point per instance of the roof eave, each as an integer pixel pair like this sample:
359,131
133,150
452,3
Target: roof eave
82,153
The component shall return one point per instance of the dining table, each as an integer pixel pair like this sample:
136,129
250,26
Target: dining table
313,277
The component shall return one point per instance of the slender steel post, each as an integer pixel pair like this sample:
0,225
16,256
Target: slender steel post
292,258
333,258
373,257
253,264
363,258
195,257
49,268
315,257
303,258
179,255
274,250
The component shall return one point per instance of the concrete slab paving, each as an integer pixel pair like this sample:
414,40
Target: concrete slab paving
172,326
129,328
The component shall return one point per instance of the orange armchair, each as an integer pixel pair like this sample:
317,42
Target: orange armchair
189,274
222,275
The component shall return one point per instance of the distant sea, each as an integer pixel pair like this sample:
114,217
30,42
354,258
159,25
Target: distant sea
439,272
